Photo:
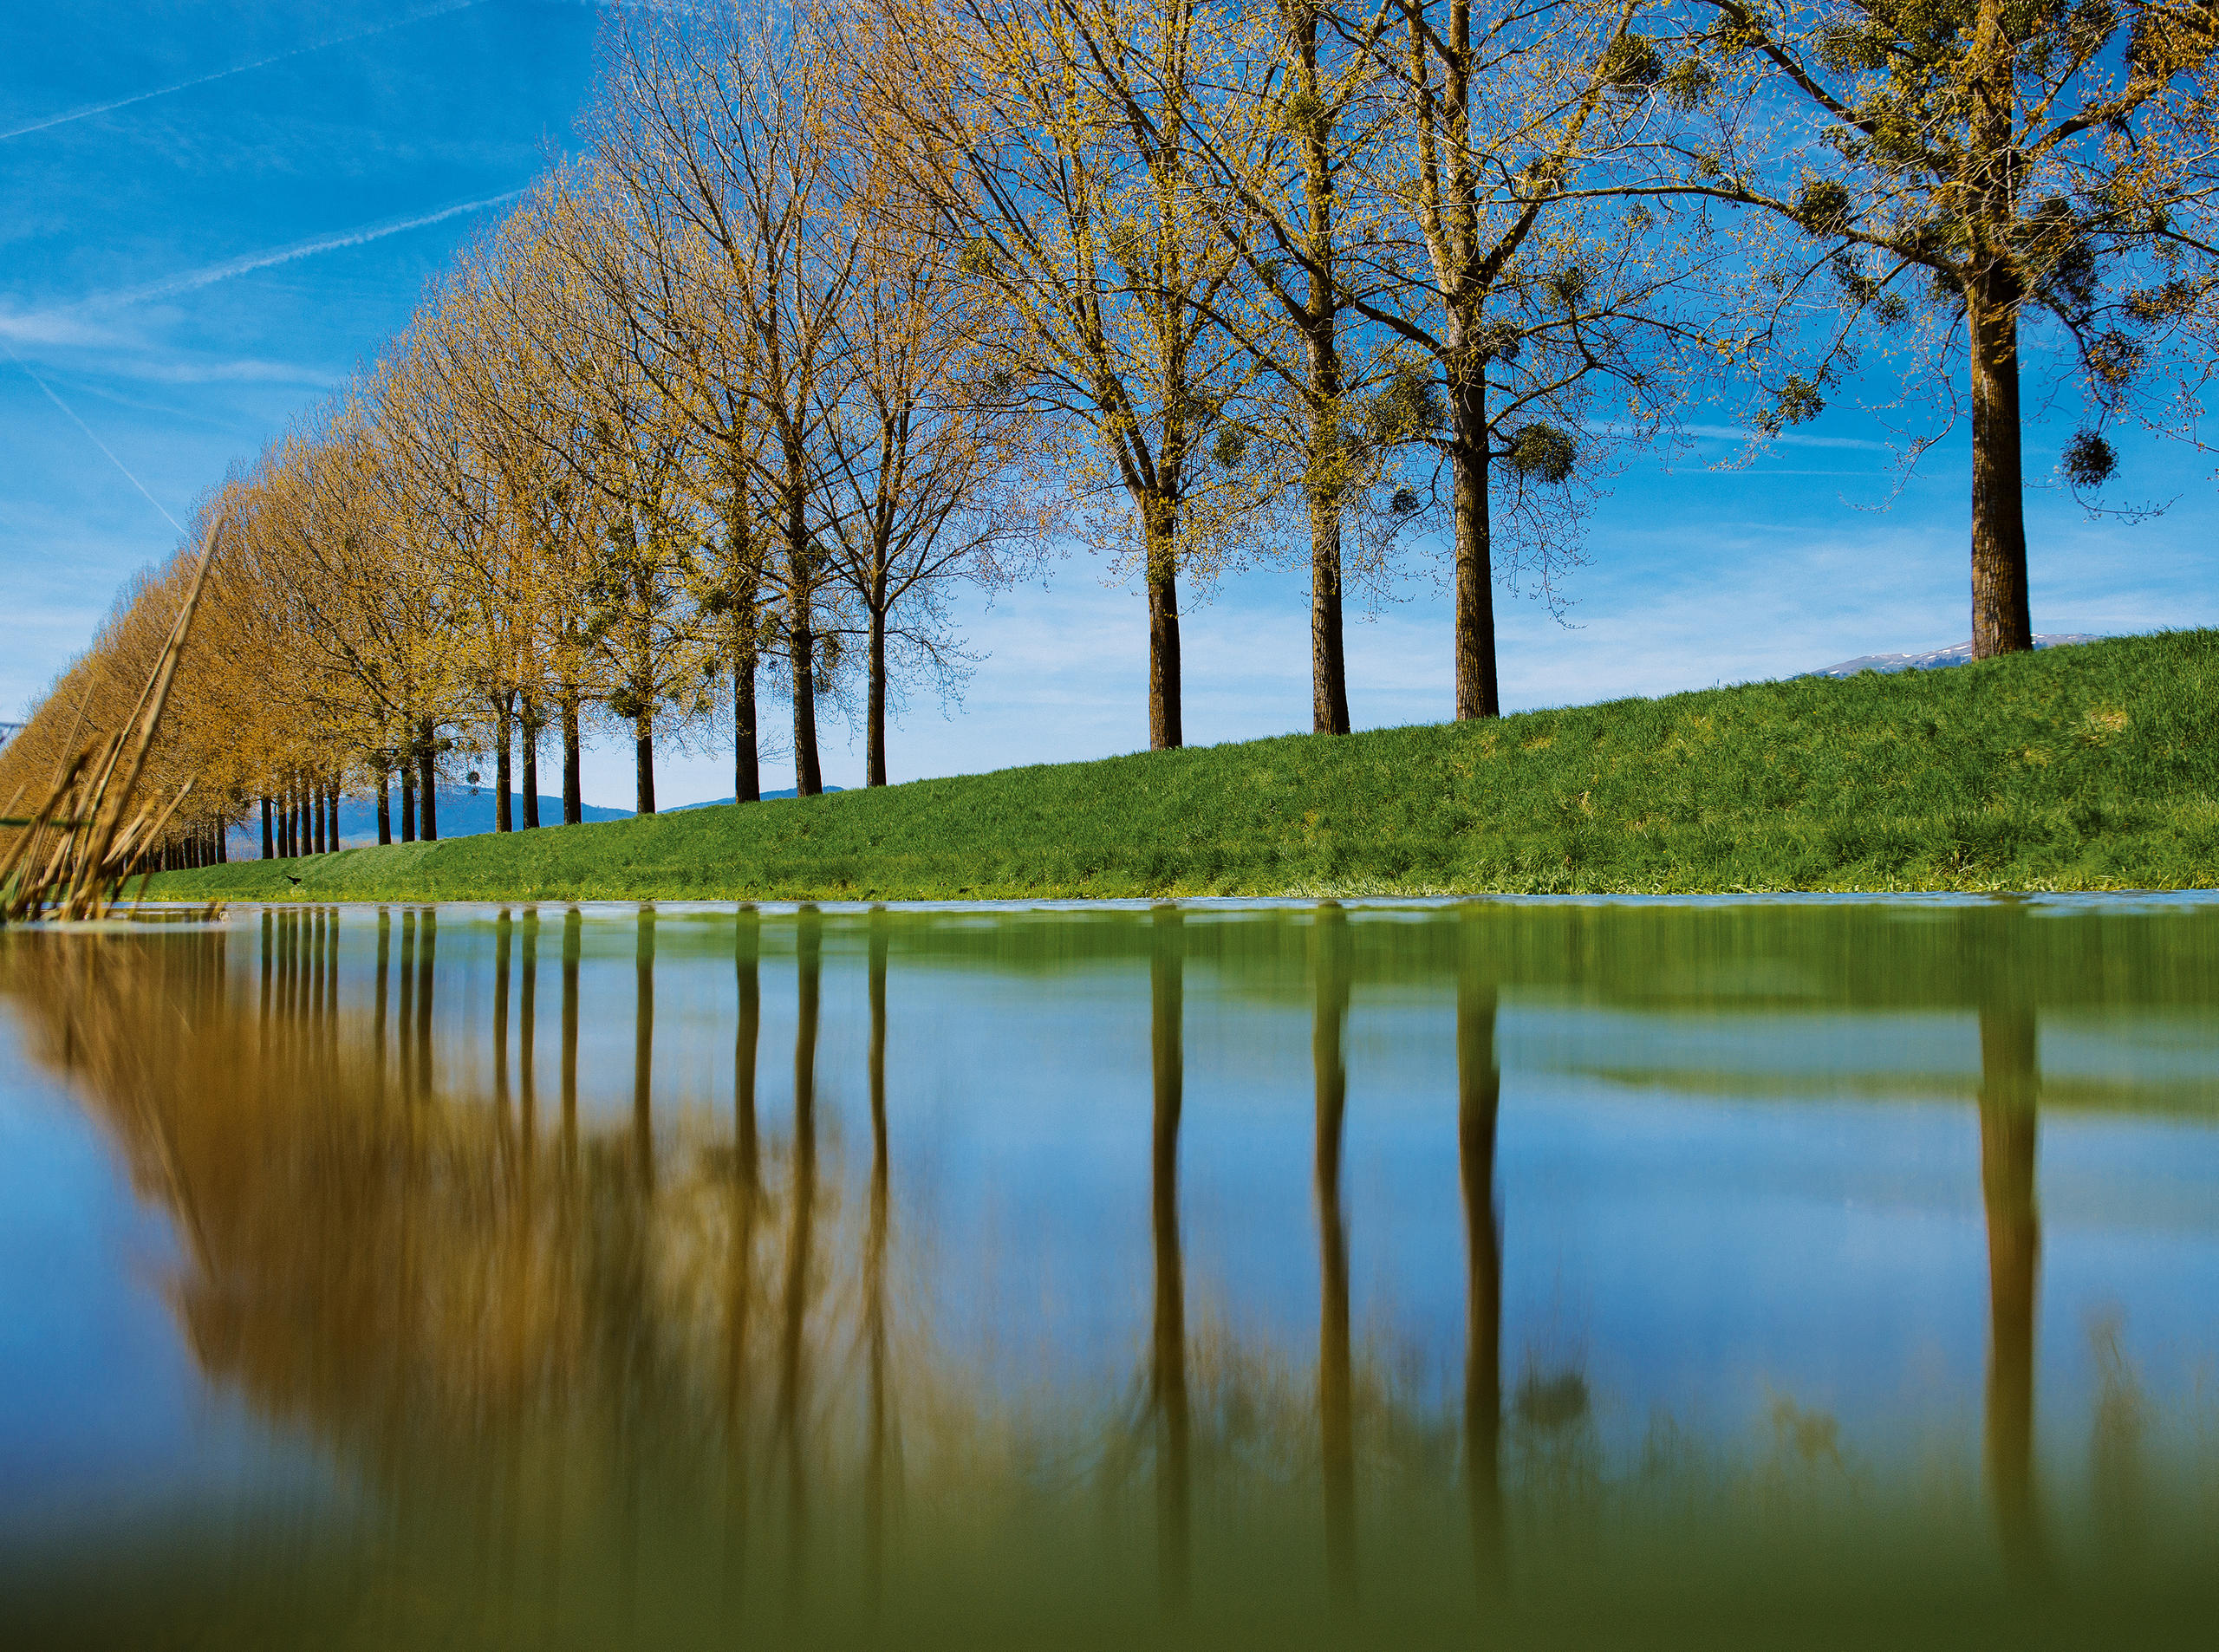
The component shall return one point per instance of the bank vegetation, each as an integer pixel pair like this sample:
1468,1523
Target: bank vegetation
838,314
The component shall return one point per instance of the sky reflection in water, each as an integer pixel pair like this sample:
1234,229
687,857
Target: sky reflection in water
1536,1273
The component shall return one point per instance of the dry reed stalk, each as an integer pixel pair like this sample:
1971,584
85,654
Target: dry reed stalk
98,845
108,814
27,847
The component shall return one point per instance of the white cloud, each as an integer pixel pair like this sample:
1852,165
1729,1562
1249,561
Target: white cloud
1784,438
172,286
71,413
52,329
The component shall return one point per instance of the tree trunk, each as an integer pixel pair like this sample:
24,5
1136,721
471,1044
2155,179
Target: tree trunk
531,765
2001,620
1328,683
268,830
385,808
801,648
407,784
875,734
746,754
315,817
427,785
643,756
573,808
1164,730
1476,692
1328,688
222,835
331,802
504,710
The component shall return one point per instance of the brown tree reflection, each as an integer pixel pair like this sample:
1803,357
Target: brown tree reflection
643,1049
740,1286
1329,1022
1479,1091
427,947
2009,1088
528,1035
503,941
378,1034
405,1016
1168,1360
878,1424
747,972
571,944
793,1370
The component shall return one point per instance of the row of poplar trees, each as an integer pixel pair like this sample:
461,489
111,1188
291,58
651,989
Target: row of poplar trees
844,306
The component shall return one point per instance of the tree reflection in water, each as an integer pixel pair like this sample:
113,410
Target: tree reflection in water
740,1285
643,1049
1478,1093
595,1402
573,932
2010,1087
793,1356
878,1427
528,1039
1329,1022
1168,1363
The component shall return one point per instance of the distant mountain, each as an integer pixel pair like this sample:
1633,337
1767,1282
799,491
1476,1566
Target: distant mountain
1931,659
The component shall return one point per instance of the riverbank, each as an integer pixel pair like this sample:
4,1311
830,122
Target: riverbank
2090,767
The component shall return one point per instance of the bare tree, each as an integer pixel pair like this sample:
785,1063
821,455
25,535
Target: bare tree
1295,110
1515,265
718,135
926,459
1080,221
1959,169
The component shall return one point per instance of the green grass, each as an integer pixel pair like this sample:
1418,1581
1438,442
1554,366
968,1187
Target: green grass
2082,768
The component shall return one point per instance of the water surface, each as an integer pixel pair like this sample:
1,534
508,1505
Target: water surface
1534,1274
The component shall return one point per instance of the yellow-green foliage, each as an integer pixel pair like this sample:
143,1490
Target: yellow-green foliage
2087,767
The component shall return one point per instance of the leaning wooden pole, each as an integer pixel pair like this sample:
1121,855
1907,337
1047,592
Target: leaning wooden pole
93,790
108,800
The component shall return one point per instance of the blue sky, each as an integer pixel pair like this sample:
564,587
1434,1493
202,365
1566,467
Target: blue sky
211,211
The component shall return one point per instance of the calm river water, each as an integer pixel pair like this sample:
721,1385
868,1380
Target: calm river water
1780,1273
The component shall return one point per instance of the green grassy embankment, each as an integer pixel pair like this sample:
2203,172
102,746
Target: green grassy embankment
2081,768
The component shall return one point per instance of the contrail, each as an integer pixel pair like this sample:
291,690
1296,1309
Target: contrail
216,272
92,109
87,429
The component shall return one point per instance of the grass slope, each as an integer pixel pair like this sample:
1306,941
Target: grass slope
2089,767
